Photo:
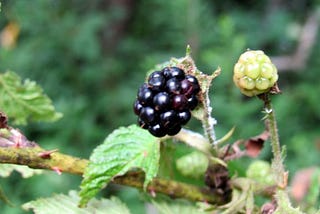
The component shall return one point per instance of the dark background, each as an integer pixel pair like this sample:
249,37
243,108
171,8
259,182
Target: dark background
91,56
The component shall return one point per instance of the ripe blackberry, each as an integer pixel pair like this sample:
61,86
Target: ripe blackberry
174,130
148,115
145,95
254,73
164,103
142,124
186,87
195,83
184,117
156,80
169,119
177,73
173,86
161,101
137,106
179,102
192,79
157,130
192,102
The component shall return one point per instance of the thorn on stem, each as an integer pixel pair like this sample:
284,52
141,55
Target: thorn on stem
47,154
145,154
18,141
57,170
284,182
268,111
152,192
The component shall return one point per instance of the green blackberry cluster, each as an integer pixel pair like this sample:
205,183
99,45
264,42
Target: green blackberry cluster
254,73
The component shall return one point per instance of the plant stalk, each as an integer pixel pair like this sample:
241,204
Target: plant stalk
280,174
38,158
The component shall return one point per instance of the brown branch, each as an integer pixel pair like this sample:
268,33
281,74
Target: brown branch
38,158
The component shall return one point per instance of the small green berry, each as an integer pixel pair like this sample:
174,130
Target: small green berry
260,171
254,73
247,83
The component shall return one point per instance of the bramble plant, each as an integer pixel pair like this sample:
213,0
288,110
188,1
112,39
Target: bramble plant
131,156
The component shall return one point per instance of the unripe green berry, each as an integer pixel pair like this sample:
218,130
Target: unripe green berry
260,171
254,73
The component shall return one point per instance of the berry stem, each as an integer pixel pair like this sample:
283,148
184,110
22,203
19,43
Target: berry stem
277,162
209,122
280,175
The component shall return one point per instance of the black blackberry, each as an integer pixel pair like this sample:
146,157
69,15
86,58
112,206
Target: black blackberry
142,124
184,117
156,81
157,130
179,102
177,73
145,95
137,106
148,115
169,119
164,103
190,85
161,101
173,86
170,72
174,130
193,102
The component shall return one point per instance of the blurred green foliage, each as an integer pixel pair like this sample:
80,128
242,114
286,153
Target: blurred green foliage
91,56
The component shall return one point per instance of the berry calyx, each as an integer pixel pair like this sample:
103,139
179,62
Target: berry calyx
254,73
164,103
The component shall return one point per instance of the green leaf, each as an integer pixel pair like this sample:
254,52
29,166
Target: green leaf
24,100
25,171
69,204
124,149
4,198
178,206
193,165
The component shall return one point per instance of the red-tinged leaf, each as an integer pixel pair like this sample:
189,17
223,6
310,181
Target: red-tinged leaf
254,145
10,137
268,208
3,120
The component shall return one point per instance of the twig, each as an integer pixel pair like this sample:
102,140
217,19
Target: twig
29,156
